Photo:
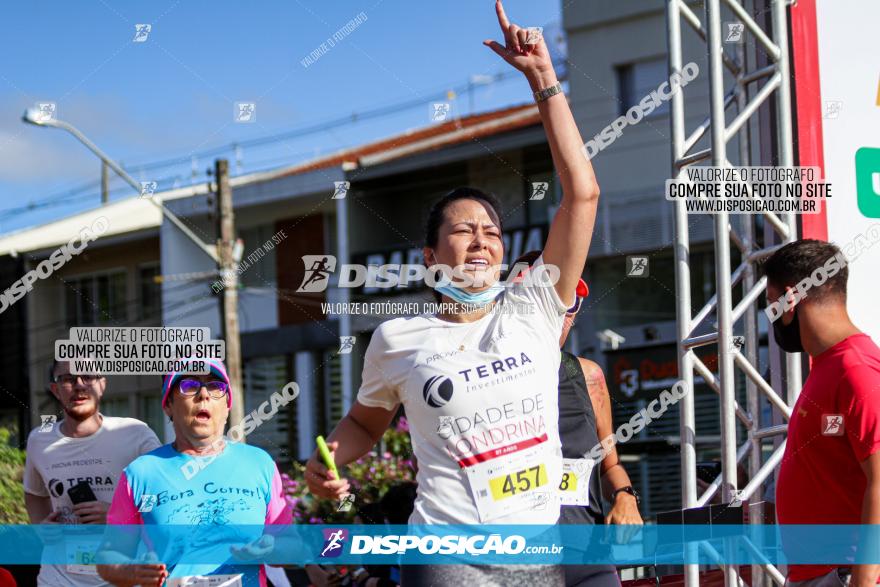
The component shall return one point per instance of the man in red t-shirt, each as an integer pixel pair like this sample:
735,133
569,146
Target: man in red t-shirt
830,473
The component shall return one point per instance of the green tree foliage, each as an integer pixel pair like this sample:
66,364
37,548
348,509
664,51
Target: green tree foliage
11,490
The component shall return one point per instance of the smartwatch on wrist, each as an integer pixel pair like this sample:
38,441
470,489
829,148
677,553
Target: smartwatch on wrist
628,489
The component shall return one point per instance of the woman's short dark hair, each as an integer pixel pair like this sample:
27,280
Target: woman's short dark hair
435,216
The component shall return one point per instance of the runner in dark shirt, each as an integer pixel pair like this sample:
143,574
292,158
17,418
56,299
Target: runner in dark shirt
585,418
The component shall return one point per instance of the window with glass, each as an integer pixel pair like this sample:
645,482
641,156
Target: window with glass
638,79
259,257
617,299
115,407
149,293
151,412
96,299
542,198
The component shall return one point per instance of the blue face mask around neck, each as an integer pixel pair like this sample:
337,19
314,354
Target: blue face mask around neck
465,297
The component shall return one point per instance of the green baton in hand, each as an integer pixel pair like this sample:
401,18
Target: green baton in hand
324,451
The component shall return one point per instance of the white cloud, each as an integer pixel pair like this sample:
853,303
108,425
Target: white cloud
31,154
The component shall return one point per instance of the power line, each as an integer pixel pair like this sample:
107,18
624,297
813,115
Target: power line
77,194
395,108
62,322
180,304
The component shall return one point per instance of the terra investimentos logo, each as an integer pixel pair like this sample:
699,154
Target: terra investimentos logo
437,391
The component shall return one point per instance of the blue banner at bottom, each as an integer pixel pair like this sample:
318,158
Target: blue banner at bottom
385,544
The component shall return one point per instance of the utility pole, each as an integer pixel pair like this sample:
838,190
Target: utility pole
105,183
229,279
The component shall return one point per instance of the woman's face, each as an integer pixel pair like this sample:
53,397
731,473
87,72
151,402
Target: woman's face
469,238
198,418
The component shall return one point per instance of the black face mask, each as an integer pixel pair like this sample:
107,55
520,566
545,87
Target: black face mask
788,336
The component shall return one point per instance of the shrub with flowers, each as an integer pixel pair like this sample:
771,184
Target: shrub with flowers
370,476
11,490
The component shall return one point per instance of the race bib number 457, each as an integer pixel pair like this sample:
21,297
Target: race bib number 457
518,482
504,487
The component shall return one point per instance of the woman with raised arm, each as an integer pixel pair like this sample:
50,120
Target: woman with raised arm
479,385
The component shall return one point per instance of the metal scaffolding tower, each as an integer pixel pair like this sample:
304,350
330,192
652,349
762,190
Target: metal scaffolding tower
748,92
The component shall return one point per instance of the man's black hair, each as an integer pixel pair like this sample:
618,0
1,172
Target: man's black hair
55,363
799,260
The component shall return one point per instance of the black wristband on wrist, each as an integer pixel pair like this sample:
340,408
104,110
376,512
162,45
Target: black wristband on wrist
627,489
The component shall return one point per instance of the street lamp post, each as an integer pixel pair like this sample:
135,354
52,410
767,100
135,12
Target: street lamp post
33,116
226,263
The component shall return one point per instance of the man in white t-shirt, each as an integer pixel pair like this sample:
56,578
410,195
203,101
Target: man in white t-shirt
85,452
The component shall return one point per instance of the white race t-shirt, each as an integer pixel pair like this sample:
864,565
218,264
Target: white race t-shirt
483,420
56,462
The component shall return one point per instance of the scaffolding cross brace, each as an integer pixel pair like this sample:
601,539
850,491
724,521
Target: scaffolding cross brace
747,96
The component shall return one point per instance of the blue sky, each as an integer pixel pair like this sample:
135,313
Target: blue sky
173,96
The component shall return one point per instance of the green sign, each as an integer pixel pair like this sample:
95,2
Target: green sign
868,181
